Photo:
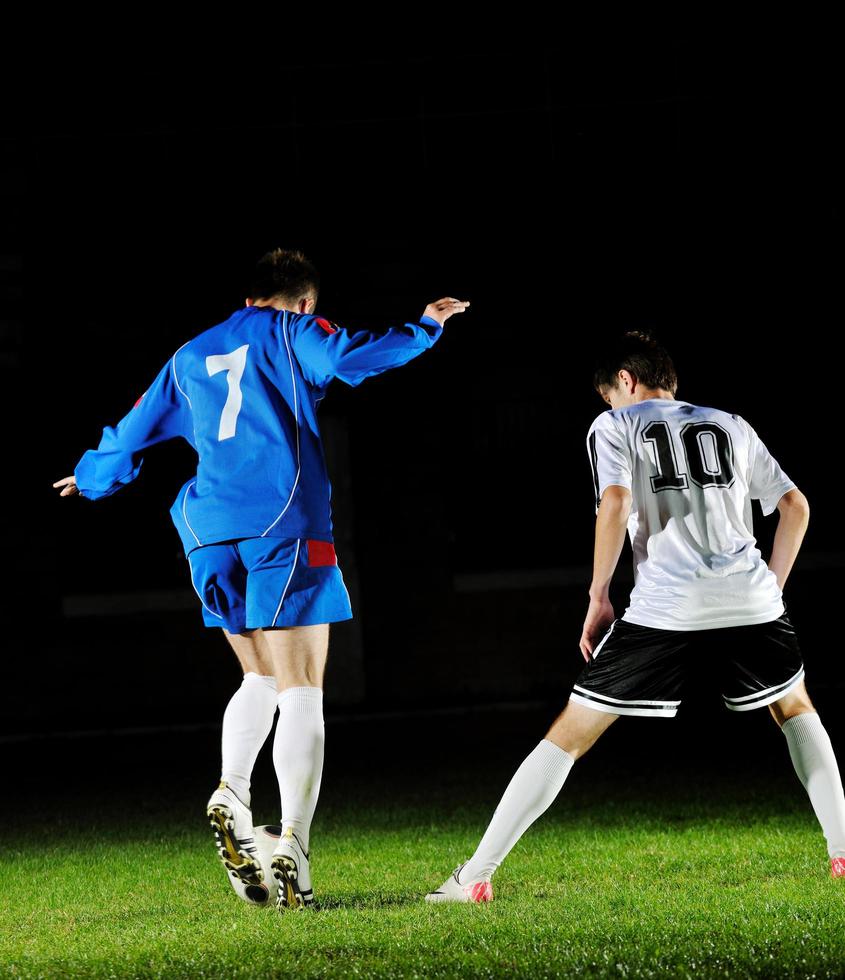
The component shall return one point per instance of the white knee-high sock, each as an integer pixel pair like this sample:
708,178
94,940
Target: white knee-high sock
298,756
814,761
530,793
246,724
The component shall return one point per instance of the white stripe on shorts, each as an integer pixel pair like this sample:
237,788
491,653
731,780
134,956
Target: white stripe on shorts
604,639
620,709
191,573
761,698
285,592
642,701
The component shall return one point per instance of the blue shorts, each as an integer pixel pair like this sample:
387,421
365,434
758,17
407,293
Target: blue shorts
252,583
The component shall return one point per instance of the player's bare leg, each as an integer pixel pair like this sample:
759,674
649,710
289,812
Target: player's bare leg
531,791
298,656
577,728
815,763
246,724
297,653
251,650
797,702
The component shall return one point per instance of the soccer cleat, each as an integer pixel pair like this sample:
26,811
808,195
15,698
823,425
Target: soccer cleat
266,838
231,821
290,868
837,867
453,891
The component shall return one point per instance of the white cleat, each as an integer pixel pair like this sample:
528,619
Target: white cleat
266,838
290,868
231,821
453,890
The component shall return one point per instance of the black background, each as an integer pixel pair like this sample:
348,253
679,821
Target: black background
567,190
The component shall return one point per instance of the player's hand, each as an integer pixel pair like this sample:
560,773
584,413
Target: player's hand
69,484
600,615
442,309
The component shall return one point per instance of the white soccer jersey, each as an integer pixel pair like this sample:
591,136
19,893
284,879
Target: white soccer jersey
692,473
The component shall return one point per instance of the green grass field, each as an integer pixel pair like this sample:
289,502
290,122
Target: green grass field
662,875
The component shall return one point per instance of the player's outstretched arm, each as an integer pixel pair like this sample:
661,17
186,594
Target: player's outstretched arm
326,351
793,518
161,413
611,525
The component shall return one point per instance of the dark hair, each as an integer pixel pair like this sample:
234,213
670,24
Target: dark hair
285,273
638,352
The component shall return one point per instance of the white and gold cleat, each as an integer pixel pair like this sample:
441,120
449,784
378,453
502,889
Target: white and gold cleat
291,869
231,821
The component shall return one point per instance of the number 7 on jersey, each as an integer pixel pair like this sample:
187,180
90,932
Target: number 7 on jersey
234,363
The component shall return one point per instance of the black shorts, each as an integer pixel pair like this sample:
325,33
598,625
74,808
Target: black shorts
639,670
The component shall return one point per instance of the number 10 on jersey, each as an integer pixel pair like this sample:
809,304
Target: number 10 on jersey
708,450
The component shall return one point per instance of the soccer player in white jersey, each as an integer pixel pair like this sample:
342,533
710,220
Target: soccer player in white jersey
680,479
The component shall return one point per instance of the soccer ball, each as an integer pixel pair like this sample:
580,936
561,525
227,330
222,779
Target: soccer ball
266,838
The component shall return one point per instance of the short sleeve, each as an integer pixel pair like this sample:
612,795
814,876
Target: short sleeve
767,482
610,457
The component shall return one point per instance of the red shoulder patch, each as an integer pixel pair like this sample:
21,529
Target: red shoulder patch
328,327
137,403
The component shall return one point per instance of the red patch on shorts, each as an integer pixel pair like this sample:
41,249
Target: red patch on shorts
320,553
328,327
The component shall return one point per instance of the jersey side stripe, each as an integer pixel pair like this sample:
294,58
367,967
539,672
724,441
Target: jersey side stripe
184,512
296,421
176,380
594,466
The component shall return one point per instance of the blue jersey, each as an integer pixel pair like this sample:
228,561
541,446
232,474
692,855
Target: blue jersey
244,394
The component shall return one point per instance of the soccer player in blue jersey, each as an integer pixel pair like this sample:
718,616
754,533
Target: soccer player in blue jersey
255,523
679,479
